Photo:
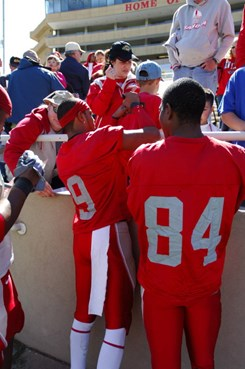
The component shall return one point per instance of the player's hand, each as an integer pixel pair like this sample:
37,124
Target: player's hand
110,72
120,112
30,166
130,97
209,65
47,191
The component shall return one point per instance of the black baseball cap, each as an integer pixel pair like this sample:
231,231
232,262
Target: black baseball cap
14,61
121,50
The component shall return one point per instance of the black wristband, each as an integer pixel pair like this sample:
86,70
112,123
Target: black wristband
133,104
23,184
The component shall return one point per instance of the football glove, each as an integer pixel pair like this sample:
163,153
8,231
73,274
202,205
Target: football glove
29,160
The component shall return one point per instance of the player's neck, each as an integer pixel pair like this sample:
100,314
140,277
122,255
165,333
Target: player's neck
188,131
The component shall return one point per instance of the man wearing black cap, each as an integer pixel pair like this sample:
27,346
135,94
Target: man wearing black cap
106,93
13,64
4,80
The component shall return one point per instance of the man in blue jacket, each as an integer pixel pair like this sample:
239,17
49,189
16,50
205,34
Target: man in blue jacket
75,73
29,85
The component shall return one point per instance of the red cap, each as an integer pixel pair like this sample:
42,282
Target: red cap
5,102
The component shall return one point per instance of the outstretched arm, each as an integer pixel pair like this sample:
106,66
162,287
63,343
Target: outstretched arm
29,177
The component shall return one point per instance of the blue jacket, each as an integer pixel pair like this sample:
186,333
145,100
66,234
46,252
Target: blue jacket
28,86
76,76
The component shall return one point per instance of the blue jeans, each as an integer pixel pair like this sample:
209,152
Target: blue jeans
205,78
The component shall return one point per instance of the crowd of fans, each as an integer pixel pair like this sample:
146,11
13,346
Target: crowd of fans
108,106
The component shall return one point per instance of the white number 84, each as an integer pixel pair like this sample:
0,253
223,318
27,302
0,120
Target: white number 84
211,217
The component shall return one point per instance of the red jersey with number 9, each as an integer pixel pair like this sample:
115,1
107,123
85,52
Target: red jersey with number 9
90,167
183,194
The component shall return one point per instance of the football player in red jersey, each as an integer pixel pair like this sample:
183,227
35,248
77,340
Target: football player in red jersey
183,202
90,167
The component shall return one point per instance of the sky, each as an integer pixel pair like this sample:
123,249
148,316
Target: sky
21,17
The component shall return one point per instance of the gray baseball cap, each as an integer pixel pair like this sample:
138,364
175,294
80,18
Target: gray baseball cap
57,97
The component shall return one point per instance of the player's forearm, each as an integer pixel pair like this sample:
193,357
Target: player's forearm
11,206
134,138
233,121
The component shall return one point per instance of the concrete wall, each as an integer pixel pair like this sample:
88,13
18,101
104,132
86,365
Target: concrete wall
44,275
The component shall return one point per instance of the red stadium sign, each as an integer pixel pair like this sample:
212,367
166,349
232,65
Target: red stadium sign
141,5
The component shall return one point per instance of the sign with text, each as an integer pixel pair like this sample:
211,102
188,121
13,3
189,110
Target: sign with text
145,4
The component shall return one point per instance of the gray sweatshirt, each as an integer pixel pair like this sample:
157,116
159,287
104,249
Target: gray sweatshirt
199,32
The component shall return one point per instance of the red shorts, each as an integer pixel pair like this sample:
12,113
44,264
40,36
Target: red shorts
11,313
166,322
120,277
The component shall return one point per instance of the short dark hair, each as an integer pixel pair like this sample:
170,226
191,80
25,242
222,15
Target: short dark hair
209,96
187,99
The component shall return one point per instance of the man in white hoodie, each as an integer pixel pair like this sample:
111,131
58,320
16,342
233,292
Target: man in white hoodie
202,31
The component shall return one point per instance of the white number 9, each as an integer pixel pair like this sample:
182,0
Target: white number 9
81,196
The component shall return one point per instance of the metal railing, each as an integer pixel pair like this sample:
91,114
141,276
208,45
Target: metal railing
224,136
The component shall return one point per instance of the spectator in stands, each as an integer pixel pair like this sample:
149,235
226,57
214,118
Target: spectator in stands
13,64
29,84
75,73
240,49
93,67
54,62
206,124
100,60
148,77
100,56
201,33
226,67
4,80
232,107
106,93
42,120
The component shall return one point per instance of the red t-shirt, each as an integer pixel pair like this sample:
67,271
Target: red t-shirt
90,167
225,69
183,194
240,49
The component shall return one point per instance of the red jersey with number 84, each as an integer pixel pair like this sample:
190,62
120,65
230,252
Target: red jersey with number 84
183,194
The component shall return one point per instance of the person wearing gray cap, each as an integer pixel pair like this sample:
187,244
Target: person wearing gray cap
75,73
42,120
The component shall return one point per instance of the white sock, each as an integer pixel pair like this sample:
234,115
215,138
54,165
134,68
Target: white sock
112,349
79,340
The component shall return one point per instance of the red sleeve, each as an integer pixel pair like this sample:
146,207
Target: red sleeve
22,138
220,69
99,98
152,105
2,227
137,119
240,49
5,102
